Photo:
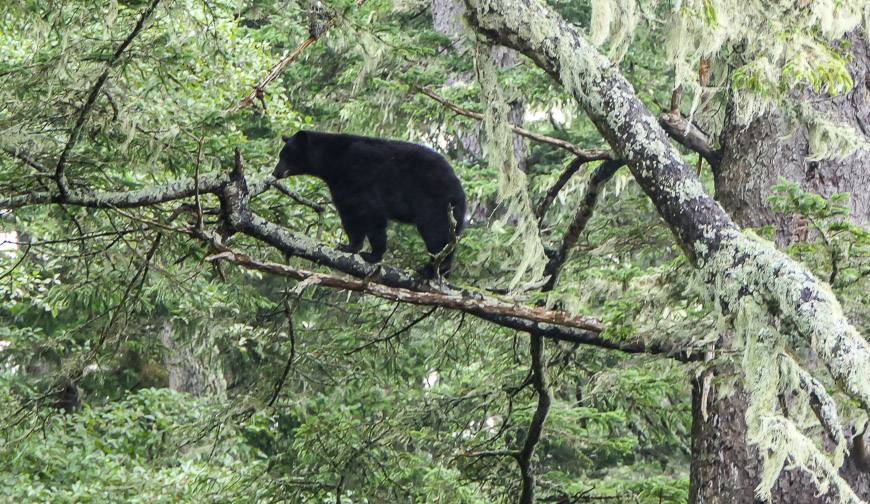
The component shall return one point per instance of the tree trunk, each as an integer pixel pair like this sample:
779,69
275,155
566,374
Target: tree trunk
724,469
186,369
754,157
447,20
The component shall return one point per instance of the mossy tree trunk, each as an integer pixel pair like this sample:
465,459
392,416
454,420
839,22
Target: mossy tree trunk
724,468
755,156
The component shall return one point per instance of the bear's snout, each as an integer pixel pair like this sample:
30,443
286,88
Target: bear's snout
279,171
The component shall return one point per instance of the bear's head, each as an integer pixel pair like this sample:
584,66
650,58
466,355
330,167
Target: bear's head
293,157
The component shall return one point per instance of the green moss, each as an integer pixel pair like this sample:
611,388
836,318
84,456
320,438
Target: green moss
513,187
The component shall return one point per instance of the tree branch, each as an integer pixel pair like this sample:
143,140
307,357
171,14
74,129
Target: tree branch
584,154
257,92
171,191
600,176
454,301
295,197
92,98
821,403
688,135
536,428
26,159
563,179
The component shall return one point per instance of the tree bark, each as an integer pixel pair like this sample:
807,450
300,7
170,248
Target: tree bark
755,156
183,375
724,468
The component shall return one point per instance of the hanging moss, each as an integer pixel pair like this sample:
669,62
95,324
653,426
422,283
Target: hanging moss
779,439
782,46
745,277
615,21
828,139
512,185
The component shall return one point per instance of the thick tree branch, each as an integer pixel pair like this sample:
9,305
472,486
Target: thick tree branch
688,135
584,154
427,298
235,192
301,246
737,268
92,98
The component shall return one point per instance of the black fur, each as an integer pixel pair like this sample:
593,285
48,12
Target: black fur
373,180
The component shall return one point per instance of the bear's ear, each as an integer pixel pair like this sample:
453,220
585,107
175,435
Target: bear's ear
300,139
285,138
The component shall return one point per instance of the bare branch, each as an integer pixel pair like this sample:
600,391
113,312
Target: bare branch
600,176
257,92
26,159
678,127
288,312
394,334
536,428
429,298
585,154
566,175
295,197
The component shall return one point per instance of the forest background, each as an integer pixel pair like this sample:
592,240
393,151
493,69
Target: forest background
176,326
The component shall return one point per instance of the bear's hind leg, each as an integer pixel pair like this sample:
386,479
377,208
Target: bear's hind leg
377,236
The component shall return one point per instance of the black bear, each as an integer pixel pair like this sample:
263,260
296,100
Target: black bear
373,180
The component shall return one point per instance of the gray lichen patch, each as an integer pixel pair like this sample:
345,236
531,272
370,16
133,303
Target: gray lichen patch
745,266
762,290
